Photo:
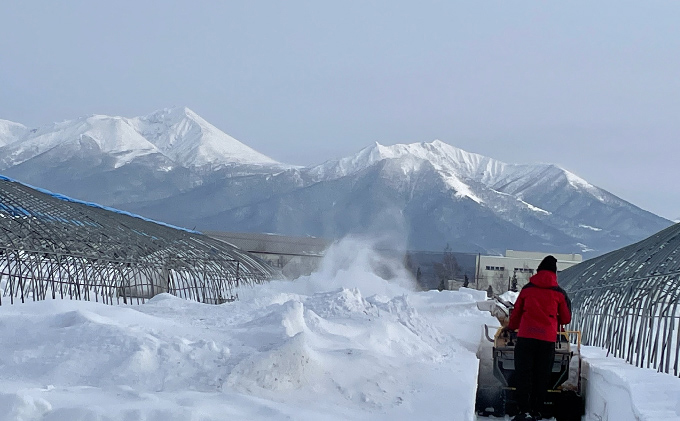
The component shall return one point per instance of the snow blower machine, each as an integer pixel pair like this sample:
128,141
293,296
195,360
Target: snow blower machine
495,390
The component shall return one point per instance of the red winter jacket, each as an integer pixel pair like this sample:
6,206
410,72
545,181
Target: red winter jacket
540,307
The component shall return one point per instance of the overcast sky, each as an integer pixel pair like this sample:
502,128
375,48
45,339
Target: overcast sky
591,86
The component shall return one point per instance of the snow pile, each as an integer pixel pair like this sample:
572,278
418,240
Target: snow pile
343,343
617,390
509,296
340,344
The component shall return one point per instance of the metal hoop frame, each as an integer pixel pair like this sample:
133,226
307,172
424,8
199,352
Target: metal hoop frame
628,301
52,246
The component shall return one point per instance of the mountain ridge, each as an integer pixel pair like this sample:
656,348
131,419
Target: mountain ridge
178,133
174,166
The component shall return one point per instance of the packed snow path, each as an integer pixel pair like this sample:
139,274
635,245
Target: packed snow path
618,391
341,344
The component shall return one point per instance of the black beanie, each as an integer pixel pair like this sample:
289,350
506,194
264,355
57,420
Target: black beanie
548,263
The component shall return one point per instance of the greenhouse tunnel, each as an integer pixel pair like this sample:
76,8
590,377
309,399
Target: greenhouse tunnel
52,246
627,301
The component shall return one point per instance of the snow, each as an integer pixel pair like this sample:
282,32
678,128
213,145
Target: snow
177,133
620,391
584,247
442,156
452,163
581,184
577,181
187,138
11,132
342,343
112,135
468,174
461,189
535,208
509,296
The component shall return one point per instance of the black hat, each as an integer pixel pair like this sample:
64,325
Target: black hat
548,263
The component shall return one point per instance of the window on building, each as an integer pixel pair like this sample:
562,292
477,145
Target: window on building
524,270
496,268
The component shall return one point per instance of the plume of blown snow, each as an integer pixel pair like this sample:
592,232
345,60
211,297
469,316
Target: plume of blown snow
371,262
358,263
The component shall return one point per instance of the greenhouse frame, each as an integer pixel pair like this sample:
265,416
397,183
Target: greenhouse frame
628,301
55,247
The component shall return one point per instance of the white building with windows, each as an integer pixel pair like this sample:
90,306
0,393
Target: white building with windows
498,271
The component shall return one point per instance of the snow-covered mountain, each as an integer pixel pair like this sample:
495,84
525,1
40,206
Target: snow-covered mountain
113,160
189,140
436,194
10,131
174,166
177,133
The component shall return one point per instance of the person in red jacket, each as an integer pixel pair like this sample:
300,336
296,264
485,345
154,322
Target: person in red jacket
540,309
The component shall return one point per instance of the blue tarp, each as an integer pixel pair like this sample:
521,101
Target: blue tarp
18,210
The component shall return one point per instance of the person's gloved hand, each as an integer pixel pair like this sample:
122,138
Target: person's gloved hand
506,331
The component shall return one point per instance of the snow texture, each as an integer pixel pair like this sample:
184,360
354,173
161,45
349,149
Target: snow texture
188,139
342,343
620,391
163,164
11,132
177,133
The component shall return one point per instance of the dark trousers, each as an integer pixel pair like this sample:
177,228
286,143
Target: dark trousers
533,365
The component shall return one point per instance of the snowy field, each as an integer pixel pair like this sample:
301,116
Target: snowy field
342,344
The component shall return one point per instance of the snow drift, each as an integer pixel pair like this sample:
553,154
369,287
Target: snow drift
343,343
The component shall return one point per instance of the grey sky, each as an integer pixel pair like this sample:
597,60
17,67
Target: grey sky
592,86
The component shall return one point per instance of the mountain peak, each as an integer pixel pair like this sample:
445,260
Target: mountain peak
441,155
177,132
174,113
11,131
189,139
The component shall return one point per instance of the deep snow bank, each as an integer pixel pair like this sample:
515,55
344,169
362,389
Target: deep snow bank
340,344
619,391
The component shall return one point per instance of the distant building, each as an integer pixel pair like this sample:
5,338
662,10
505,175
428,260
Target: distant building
498,271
